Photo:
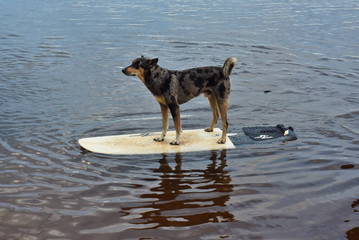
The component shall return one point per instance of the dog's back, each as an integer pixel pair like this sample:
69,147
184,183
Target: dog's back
190,83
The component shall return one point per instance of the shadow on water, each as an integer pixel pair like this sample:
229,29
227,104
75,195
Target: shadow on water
186,197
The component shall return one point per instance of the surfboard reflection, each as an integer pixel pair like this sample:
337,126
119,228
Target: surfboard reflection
186,197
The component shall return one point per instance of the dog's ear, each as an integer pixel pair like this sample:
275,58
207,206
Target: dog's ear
152,62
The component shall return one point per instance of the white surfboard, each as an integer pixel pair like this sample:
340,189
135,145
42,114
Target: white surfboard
191,141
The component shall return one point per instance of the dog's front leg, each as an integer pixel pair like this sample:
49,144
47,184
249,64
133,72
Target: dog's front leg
165,115
174,108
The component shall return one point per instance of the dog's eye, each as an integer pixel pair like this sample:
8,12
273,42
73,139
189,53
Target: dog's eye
136,65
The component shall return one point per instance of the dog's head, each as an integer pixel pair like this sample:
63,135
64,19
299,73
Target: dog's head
139,67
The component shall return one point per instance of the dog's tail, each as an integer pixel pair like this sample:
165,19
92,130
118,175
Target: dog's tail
228,66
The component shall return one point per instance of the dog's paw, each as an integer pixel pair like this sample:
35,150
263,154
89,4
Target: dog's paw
174,142
221,141
158,139
208,130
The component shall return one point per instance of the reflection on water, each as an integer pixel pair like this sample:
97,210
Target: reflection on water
353,234
186,197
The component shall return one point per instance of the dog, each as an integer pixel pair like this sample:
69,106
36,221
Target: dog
172,88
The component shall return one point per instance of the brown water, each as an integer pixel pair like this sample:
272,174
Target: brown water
60,80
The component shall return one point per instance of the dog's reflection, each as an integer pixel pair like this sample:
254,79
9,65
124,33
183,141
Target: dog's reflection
186,197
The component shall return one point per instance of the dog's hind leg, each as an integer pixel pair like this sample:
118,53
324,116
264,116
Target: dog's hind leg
175,111
223,110
213,103
165,115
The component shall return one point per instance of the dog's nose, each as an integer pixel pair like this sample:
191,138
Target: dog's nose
124,70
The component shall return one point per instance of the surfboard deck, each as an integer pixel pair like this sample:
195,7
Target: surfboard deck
191,141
